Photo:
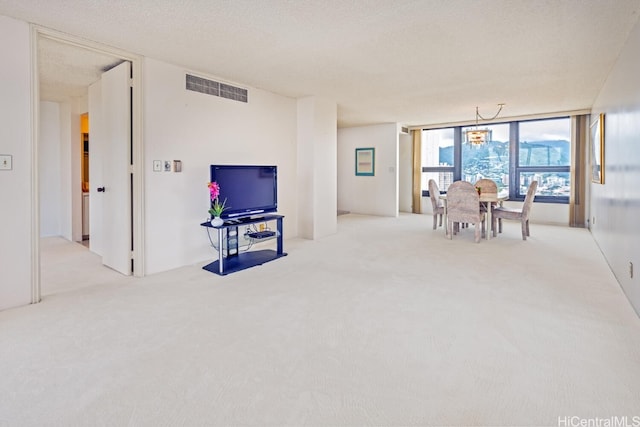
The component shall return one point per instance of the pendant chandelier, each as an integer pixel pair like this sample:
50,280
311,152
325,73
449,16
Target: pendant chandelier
479,136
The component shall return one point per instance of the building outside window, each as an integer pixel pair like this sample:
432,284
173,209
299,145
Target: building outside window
437,157
514,154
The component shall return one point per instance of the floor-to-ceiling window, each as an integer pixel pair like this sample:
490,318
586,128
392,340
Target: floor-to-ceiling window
438,157
544,155
514,154
488,160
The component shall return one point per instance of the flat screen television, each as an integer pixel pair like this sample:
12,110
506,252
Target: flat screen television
248,189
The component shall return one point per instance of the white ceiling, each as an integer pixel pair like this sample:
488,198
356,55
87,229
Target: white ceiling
66,70
414,62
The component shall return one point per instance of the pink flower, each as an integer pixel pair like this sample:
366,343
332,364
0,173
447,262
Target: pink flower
216,206
214,189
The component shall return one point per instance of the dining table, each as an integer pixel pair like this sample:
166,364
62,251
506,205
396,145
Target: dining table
489,200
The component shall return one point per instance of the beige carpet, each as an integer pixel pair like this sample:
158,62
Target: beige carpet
386,323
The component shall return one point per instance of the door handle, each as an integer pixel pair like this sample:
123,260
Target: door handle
100,189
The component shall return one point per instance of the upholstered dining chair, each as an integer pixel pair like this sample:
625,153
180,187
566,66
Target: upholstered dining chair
436,203
462,207
522,215
486,186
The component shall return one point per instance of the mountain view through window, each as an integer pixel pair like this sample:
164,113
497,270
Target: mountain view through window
542,150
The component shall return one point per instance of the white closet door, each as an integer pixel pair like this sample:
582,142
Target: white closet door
116,169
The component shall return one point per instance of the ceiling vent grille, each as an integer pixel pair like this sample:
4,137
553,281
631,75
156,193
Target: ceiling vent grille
210,87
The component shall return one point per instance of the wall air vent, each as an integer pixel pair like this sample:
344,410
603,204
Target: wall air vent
232,92
210,87
404,129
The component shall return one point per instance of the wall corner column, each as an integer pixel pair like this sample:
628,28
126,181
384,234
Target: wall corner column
317,167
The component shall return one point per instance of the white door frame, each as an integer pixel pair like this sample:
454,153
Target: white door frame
138,163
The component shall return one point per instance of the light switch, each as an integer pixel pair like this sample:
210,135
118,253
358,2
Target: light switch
157,165
6,162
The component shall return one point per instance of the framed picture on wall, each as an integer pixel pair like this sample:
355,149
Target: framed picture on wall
597,149
365,161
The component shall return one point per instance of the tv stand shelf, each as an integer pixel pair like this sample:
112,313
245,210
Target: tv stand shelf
229,242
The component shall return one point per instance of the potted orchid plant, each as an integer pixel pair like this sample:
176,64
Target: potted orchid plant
216,207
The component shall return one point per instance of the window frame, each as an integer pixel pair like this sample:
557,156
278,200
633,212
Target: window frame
514,186
457,158
515,170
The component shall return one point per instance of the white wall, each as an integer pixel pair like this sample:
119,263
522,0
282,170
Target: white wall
317,165
371,195
59,173
615,206
49,169
541,213
545,213
405,172
16,211
66,172
201,130
72,213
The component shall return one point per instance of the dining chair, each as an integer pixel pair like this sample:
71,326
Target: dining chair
486,186
462,207
436,203
499,213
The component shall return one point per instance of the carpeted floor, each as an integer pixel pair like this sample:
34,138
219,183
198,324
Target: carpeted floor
386,323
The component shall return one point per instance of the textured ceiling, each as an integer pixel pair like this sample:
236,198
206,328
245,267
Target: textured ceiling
66,71
413,62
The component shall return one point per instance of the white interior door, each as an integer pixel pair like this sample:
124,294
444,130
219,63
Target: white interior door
96,143
116,180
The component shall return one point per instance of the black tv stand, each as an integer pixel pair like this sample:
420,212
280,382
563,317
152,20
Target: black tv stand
244,220
227,236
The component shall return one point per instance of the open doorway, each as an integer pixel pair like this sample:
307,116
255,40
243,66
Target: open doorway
84,171
66,70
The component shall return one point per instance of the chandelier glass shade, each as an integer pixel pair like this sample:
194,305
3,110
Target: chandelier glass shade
478,136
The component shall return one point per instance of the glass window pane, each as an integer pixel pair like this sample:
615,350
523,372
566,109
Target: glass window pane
437,147
443,179
549,183
545,143
437,151
490,159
